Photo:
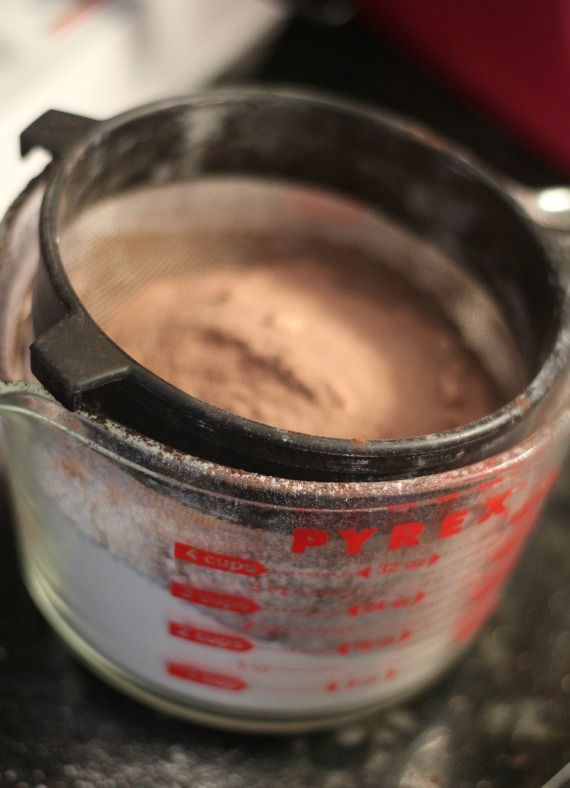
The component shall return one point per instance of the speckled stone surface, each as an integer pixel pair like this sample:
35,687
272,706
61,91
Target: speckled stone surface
501,719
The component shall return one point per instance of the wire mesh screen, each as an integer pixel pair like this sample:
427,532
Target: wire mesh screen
163,261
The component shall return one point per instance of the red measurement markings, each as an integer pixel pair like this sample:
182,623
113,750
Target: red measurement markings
301,612
445,498
491,483
260,667
289,592
358,683
187,672
509,546
492,581
505,554
276,630
255,667
468,625
309,573
381,604
225,563
201,596
394,566
531,506
522,521
330,651
373,643
207,637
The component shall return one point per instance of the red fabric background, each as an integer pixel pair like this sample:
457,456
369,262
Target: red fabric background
510,57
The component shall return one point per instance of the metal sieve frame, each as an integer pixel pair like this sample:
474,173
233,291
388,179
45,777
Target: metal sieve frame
81,366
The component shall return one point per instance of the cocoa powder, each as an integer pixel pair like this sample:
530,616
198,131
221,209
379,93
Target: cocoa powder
342,351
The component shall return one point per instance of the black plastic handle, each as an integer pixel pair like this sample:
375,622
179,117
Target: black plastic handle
71,358
55,131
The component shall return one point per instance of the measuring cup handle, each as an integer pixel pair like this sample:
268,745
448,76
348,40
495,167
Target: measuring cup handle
55,131
548,207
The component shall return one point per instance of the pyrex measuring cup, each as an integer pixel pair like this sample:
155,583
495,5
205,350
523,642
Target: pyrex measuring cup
300,580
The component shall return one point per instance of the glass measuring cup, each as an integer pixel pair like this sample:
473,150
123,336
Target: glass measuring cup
247,599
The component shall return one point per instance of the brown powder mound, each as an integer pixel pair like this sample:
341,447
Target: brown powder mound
308,347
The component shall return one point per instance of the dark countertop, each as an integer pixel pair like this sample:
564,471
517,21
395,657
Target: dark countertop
501,719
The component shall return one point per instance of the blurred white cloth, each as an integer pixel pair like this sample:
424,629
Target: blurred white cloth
99,57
